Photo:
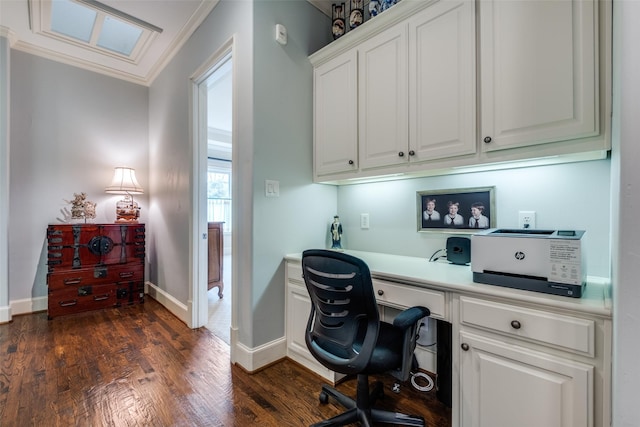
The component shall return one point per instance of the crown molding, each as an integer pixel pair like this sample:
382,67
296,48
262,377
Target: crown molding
9,35
190,27
75,62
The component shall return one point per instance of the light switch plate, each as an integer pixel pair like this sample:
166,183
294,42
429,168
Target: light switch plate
364,221
271,188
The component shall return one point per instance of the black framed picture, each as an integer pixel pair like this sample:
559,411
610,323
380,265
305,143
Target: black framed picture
458,210
356,13
338,27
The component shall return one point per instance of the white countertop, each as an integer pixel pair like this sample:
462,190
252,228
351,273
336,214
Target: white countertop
444,276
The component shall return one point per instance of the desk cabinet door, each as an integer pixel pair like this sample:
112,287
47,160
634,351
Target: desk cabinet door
507,385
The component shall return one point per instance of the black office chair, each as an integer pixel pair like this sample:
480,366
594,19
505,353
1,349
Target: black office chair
345,334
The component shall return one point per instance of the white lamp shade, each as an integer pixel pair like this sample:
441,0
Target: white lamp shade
124,182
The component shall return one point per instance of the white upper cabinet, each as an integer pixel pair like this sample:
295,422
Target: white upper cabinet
442,81
431,87
539,72
383,105
335,115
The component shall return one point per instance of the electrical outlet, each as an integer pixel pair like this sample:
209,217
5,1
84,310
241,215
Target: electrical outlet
364,221
527,219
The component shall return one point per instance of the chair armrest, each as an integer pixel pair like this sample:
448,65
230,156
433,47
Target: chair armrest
410,317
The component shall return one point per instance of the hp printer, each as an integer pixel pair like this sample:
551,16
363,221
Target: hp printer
548,261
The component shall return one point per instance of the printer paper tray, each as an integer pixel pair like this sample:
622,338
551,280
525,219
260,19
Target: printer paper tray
529,283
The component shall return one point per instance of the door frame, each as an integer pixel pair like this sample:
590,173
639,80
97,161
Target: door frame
198,222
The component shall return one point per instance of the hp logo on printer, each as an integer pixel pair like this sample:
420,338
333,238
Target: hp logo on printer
519,255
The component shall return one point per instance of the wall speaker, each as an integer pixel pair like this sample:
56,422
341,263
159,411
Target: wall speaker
459,250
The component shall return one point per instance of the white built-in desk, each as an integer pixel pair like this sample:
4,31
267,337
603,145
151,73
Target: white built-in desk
519,358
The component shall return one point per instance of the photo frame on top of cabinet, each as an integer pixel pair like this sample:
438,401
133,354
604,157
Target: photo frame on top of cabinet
338,26
459,210
356,13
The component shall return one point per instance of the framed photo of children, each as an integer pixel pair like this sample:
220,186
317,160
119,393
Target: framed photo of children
460,210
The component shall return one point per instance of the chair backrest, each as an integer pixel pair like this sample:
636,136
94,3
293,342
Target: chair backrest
343,310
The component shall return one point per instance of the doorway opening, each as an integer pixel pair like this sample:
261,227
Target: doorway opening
215,130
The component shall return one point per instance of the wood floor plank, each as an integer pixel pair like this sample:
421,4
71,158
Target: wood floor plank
141,366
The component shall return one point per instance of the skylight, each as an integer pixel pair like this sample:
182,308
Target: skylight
95,26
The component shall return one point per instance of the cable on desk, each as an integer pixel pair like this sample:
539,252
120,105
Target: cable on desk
433,257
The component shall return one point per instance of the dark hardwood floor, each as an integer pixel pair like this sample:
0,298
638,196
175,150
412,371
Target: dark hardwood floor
141,366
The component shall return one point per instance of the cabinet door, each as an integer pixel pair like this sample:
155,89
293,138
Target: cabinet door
383,105
539,72
507,385
335,112
442,81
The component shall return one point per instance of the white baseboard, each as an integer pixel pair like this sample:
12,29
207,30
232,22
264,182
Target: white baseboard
252,359
177,308
5,314
28,305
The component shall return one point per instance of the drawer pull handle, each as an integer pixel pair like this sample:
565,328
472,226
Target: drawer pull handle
515,324
68,303
380,292
73,281
101,297
464,346
126,274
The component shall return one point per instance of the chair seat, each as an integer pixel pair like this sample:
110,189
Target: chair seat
387,354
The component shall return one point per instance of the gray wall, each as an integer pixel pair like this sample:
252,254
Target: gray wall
570,196
274,140
69,129
282,151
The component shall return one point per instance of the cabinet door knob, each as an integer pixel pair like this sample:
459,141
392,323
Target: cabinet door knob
401,154
380,292
487,139
412,153
464,346
350,162
515,324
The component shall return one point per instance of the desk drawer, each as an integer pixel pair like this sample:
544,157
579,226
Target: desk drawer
294,272
570,333
404,296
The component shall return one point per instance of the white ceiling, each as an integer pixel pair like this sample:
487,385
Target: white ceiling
177,18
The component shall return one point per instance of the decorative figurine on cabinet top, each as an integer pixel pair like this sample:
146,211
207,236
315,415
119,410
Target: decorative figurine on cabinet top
336,233
81,208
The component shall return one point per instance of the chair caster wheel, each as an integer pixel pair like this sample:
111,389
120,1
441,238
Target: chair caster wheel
324,397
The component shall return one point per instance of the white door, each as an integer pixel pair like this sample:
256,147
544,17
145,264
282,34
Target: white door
335,114
504,385
383,99
442,81
538,67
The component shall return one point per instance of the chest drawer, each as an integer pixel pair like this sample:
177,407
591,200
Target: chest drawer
403,296
95,276
83,298
84,245
571,333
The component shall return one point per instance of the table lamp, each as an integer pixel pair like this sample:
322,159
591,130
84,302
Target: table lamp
125,182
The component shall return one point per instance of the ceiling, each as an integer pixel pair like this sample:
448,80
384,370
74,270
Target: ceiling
178,19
